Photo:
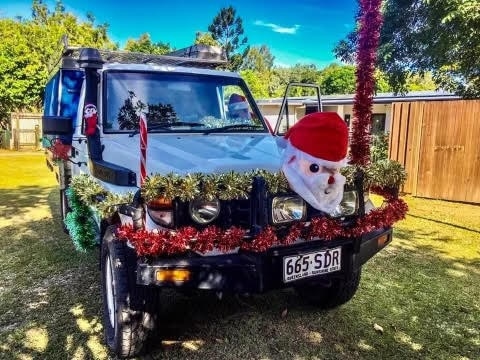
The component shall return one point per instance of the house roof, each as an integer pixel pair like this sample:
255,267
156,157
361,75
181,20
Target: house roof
380,98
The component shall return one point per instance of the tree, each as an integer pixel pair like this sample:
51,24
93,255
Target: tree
299,73
227,29
145,45
21,75
257,82
441,37
205,39
258,59
257,70
420,82
30,49
338,79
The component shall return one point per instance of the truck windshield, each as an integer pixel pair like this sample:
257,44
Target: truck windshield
178,103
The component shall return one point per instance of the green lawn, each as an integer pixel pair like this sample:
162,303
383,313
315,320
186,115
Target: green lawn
423,290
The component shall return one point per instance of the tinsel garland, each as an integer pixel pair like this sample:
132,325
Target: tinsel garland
163,242
225,186
80,223
382,177
234,185
92,194
368,39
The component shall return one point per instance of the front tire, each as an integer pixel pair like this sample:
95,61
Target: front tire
128,309
338,293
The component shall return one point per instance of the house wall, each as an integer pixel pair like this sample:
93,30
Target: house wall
377,109
271,111
296,112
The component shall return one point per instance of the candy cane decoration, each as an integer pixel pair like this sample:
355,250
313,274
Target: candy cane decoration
143,148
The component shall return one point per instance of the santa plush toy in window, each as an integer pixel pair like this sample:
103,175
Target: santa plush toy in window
316,150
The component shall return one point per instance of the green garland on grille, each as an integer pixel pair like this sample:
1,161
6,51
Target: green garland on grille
234,185
87,198
225,186
80,223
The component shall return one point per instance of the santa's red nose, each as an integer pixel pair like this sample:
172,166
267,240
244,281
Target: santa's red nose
331,180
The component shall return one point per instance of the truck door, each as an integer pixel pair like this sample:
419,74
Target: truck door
285,117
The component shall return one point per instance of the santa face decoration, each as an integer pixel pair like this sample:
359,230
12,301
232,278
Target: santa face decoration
316,150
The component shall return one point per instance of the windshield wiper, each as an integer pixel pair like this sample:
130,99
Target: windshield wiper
234,127
168,127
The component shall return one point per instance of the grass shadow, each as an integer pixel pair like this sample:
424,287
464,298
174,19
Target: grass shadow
415,294
49,298
422,290
445,223
19,201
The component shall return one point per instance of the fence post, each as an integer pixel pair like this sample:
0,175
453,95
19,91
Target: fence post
37,137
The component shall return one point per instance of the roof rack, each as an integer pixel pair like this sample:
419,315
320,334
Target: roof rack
200,56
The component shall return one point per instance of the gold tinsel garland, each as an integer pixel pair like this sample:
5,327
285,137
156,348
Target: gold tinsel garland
227,186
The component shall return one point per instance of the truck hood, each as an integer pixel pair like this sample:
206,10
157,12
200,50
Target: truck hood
182,154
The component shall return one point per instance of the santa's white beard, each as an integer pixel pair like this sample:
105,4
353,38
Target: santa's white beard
314,187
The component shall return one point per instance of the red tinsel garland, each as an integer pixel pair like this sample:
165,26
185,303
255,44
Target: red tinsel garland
368,40
155,243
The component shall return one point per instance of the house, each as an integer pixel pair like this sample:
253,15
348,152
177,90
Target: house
434,135
343,105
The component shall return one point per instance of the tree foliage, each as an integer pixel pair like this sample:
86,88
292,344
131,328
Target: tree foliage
437,36
258,58
338,79
227,29
145,45
30,49
256,70
206,38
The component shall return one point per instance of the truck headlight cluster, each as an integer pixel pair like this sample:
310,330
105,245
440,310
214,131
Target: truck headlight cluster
287,209
204,211
160,211
348,205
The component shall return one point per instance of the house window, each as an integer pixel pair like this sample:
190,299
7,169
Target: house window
378,124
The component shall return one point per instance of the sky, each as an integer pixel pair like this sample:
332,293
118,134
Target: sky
296,31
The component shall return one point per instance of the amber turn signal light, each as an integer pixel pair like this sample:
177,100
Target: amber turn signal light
160,203
173,275
383,240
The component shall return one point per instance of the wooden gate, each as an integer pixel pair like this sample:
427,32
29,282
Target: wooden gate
26,130
438,142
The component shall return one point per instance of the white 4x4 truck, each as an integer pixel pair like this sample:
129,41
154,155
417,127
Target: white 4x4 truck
180,191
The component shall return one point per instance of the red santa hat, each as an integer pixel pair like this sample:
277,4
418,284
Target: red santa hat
237,102
322,135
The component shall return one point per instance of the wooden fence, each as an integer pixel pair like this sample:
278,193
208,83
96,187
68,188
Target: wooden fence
438,143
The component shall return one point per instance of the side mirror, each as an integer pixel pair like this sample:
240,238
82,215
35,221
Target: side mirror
57,125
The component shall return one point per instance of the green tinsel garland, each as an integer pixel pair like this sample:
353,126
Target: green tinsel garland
80,223
85,193
233,185
226,186
92,194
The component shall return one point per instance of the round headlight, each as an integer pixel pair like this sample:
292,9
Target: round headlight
204,211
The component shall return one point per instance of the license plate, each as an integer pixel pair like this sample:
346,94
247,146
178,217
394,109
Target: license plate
301,266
